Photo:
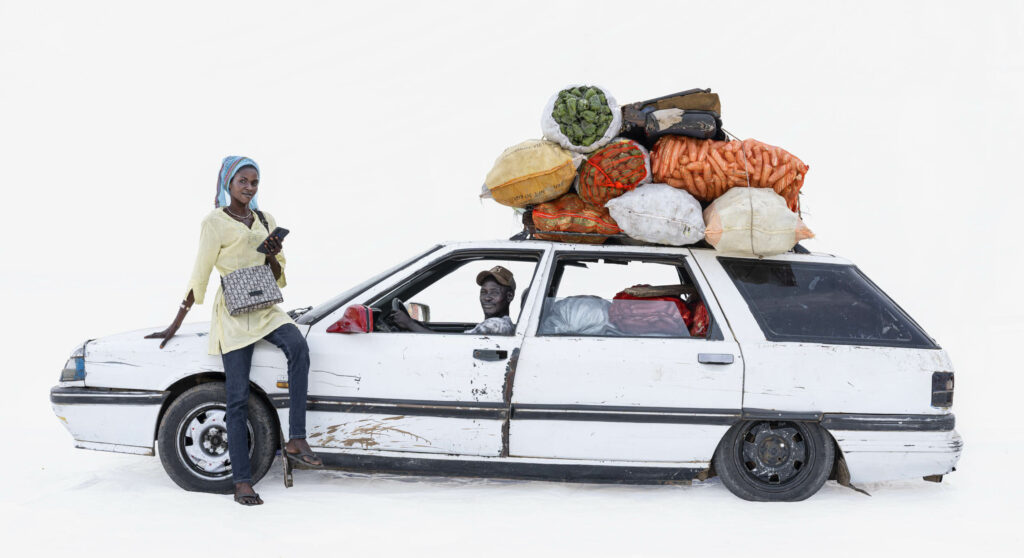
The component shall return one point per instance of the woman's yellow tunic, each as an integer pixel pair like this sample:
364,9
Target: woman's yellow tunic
229,245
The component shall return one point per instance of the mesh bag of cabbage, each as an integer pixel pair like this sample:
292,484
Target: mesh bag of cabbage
581,118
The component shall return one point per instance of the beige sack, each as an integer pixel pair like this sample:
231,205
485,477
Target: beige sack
753,222
532,172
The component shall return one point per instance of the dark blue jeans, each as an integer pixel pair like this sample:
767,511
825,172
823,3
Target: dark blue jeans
289,339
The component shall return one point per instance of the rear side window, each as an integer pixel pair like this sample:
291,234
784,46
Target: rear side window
620,295
822,303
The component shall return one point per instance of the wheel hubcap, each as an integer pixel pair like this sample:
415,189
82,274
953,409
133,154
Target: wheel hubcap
203,442
773,452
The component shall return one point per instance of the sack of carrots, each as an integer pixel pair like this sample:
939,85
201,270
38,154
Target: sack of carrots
708,168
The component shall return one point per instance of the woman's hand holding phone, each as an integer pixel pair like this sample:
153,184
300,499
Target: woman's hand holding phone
272,244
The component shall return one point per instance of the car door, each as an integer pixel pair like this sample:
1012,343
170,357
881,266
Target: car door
618,394
439,393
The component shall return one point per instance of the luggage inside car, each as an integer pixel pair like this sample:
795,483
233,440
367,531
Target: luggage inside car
650,315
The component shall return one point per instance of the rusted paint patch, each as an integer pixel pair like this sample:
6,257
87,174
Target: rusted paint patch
506,392
364,433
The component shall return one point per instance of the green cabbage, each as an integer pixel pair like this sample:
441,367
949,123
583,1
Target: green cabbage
582,114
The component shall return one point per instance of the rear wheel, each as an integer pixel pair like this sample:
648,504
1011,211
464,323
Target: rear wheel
193,443
774,461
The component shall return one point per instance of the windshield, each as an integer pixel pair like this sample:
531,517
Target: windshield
333,304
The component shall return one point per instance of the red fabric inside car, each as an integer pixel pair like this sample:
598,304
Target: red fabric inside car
701,320
645,316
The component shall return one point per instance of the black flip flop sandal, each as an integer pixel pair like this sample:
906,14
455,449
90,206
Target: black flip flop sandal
298,458
249,499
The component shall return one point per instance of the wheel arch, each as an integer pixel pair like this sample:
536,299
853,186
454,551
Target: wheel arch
838,470
184,384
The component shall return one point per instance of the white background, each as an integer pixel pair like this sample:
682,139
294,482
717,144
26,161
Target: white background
374,124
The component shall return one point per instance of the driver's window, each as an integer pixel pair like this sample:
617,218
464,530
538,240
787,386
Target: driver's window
453,298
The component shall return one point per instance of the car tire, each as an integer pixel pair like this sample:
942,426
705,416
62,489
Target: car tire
192,439
774,461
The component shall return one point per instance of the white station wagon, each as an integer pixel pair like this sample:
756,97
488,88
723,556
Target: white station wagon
805,371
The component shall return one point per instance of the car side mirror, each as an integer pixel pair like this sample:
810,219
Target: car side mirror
356,319
420,312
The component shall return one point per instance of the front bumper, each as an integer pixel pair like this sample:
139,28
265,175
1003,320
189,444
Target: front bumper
108,419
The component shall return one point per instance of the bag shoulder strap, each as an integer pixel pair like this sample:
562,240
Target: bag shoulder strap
262,220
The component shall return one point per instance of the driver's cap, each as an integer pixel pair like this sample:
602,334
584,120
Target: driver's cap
499,274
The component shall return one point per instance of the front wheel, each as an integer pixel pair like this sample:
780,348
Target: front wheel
193,445
774,461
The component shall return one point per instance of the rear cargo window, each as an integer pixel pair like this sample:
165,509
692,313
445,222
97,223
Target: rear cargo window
822,303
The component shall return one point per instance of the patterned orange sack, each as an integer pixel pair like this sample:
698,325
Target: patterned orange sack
571,214
613,170
707,168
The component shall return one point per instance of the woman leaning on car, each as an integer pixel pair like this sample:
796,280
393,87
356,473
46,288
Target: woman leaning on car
228,240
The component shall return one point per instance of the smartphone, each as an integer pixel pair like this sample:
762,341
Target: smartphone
279,233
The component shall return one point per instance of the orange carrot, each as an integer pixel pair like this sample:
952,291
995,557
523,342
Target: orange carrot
700,191
675,182
779,173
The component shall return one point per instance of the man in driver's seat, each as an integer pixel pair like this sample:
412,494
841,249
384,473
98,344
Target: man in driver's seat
497,289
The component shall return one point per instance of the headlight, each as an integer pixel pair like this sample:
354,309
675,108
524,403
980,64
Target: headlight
74,368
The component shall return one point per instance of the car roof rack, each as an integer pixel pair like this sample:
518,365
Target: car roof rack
530,232
620,240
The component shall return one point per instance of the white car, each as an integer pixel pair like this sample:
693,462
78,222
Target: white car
805,372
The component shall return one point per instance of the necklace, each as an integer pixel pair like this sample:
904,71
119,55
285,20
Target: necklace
243,218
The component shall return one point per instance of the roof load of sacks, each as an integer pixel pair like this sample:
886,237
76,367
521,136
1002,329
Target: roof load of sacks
660,171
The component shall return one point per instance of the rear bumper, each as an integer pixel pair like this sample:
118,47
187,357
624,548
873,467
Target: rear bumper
874,456
109,419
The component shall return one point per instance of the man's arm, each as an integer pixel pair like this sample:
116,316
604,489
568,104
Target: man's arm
404,321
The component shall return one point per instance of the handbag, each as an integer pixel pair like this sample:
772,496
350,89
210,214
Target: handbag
251,288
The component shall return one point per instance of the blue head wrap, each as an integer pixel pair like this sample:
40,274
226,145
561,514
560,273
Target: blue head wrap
228,169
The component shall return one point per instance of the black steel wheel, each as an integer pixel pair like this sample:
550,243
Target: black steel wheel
774,461
193,444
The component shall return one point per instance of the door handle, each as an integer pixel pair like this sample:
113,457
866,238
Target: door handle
715,358
489,354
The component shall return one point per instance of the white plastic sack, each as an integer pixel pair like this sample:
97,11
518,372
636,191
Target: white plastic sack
753,222
660,214
553,132
576,315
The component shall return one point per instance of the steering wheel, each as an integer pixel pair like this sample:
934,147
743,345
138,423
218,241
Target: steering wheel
387,324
